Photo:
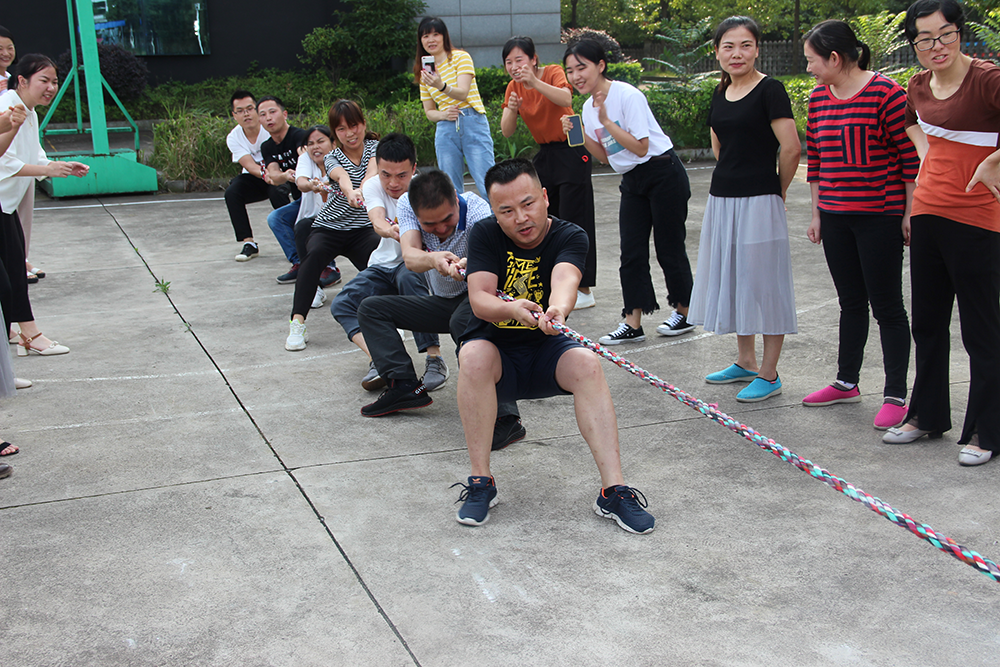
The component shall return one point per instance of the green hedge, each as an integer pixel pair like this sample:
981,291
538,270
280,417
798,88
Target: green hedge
191,146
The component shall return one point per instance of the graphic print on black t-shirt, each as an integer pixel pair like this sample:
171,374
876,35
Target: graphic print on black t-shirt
522,281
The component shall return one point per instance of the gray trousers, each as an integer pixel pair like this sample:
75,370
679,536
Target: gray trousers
380,316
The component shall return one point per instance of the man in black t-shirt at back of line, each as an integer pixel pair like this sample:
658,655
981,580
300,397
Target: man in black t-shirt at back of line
280,153
514,352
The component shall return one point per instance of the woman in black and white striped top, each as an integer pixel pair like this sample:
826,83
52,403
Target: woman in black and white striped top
342,226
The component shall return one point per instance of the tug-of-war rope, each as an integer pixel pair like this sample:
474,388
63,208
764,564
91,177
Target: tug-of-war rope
921,530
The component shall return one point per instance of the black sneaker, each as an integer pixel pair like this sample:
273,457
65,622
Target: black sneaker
506,431
479,496
329,277
675,325
623,334
290,277
249,252
401,395
623,505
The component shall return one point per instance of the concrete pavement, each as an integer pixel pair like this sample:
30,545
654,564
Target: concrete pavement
190,493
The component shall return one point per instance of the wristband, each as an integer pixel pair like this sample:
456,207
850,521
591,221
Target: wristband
444,87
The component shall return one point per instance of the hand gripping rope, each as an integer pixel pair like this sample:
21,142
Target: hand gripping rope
921,530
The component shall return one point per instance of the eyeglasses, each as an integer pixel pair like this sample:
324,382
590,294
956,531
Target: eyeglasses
945,38
241,110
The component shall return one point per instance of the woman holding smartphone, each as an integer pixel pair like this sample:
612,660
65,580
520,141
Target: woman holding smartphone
619,129
541,96
23,162
448,91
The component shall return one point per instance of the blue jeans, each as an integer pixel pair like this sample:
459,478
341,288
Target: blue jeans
378,281
472,141
282,224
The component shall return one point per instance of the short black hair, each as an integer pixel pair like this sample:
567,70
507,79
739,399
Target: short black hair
588,49
271,98
519,42
508,171
29,66
241,95
4,32
396,147
950,9
430,189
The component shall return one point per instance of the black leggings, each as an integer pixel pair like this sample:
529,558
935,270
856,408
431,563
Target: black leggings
321,246
865,256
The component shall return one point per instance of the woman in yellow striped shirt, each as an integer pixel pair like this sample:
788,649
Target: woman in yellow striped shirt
451,99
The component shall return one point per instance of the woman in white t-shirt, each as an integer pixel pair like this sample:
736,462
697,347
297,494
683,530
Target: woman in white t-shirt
619,129
7,55
24,161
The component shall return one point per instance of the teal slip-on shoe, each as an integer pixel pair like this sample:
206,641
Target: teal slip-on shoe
732,374
759,390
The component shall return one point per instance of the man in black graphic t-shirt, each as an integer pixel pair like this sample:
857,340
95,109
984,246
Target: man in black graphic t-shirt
514,352
280,154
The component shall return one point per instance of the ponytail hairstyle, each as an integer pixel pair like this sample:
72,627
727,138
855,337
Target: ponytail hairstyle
729,24
837,37
29,66
348,111
429,24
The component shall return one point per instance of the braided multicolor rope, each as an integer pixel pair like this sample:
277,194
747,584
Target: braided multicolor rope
921,530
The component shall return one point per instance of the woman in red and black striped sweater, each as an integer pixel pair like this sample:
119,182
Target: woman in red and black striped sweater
862,168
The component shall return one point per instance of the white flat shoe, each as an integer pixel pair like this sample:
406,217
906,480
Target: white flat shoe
973,457
20,383
897,436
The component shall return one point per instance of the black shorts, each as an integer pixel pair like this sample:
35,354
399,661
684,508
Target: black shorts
529,371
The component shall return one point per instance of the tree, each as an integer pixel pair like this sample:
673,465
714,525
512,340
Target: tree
364,39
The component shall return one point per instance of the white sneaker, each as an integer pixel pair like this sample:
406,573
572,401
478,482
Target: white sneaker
319,299
297,336
584,301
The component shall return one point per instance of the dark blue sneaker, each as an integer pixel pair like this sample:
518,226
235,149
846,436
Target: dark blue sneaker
623,505
479,496
329,277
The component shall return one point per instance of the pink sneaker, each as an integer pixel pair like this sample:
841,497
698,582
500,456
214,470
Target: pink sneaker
891,415
835,393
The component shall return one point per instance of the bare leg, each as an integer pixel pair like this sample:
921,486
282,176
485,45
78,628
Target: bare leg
747,356
633,319
479,370
772,350
579,371
359,340
30,330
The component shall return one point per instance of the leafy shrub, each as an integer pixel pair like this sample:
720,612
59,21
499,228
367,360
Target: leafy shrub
364,39
192,147
682,112
612,49
127,75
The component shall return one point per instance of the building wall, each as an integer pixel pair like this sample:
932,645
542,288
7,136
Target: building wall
254,30
482,26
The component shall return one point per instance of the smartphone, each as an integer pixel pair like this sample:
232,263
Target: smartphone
575,136
427,63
